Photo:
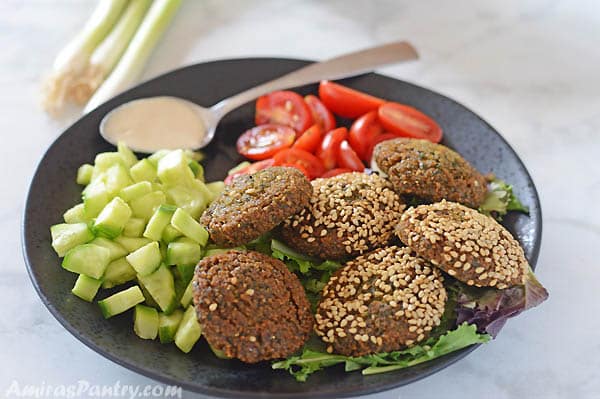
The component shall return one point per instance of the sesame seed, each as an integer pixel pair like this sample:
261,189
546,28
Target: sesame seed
212,307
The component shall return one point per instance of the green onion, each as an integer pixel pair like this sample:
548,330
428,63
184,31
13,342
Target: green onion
132,63
73,59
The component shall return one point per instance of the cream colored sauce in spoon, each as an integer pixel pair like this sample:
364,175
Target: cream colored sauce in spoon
157,122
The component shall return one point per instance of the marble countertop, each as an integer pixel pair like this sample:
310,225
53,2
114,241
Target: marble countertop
530,68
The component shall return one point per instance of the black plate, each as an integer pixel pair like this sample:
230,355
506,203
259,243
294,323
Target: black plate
53,190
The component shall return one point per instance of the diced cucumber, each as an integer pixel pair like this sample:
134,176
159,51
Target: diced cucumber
145,322
75,214
95,198
111,221
117,272
144,206
67,236
132,244
136,190
146,259
218,353
186,271
183,253
189,227
155,157
116,178
215,188
116,249
238,167
84,174
173,169
167,325
148,298
159,220
144,170
86,287
170,233
186,298
121,301
197,169
88,259
189,331
161,286
215,251
193,199
126,154
134,227
106,160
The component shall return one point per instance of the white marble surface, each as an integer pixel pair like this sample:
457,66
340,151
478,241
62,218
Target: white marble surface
529,67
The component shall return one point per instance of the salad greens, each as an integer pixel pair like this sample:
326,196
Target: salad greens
500,199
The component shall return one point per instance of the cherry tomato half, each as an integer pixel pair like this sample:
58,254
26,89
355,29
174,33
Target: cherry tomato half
346,102
409,122
362,132
283,108
310,140
330,146
348,159
264,141
294,156
321,115
335,172
252,168
376,140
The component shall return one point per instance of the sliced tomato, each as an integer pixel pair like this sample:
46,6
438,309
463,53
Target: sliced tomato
362,132
335,172
252,168
264,141
299,167
330,146
310,140
321,115
294,156
348,159
376,140
283,108
347,102
409,122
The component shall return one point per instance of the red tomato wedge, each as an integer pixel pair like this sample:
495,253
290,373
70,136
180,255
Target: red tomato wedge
347,102
376,140
310,140
348,159
409,122
330,147
283,108
320,114
294,156
252,168
264,141
362,132
335,172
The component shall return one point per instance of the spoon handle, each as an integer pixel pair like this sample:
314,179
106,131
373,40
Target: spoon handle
340,67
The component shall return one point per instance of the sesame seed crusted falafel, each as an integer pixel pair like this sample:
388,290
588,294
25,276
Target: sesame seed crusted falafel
430,172
254,204
348,214
250,306
382,301
466,244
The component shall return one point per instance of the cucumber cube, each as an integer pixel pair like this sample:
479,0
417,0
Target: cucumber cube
126,154
121,301
189,227
75,214
136,190
157,156
186,298
173,169
170,233
145,206
88,259
161,287
67,236
197,169
132,244
117,272
143,171
186,271
167,325
189,331
134,227
215,188
111,221
86,287
106,160
84,174
116,250
159,220
95,198
218,353
146,259
183,253
145,322
116,178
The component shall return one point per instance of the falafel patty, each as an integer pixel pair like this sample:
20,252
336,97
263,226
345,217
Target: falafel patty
430,172
250,306
349,214
254,204
382,301
466,244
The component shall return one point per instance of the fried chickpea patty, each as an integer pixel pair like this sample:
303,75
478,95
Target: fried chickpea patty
250,306
466,244
348,214
430,172
254,204
382,301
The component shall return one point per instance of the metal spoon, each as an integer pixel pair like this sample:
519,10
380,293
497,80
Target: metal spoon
335,68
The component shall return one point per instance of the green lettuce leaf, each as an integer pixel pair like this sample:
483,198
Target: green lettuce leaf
500,199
